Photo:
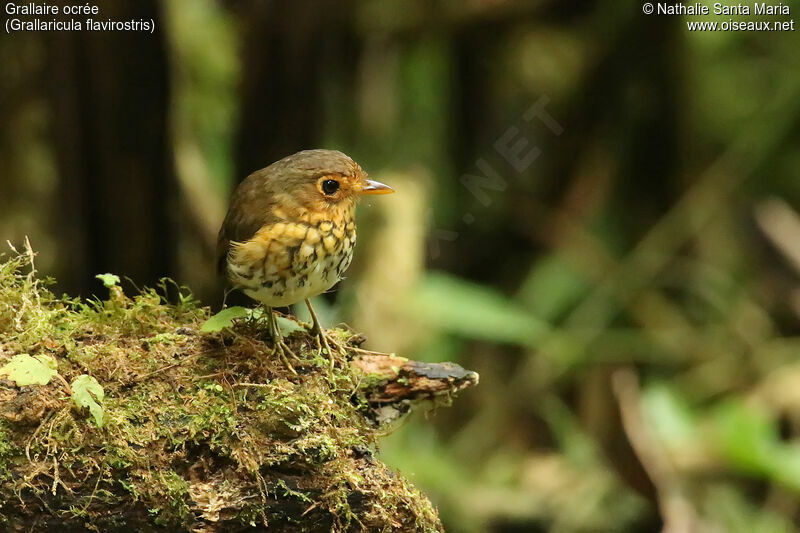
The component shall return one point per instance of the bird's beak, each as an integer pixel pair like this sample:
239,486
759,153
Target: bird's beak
376,187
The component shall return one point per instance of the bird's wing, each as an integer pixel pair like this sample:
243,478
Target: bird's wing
250,210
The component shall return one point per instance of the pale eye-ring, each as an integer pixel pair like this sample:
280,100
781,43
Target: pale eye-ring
330,186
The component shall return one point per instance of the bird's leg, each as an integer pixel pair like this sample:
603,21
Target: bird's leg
277,340
319,333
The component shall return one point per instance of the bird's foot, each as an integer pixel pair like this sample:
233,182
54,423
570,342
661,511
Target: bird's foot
324,343
278,345
323,346
282,349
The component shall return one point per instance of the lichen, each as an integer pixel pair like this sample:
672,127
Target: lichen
198,428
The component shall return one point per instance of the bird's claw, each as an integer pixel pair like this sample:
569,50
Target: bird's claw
324,347
324,343
281,348
278,346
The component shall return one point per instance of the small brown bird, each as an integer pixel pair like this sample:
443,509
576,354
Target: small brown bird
290,231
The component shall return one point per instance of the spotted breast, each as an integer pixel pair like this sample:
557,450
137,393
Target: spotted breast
287,262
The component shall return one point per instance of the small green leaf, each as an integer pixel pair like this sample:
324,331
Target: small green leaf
109,280
288,326
88,393
48,361
25,370
224,319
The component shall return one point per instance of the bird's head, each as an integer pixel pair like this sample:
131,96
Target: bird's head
320,181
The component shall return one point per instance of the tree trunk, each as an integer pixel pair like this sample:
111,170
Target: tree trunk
109,97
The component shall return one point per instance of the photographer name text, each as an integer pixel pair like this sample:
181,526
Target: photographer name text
719,8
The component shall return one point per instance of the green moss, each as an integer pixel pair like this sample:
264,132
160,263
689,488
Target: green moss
171,493
189,416
8,450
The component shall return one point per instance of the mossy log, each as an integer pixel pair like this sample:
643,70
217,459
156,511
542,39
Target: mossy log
194,431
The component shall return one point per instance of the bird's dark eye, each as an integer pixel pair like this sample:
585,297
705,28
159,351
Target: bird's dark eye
330,186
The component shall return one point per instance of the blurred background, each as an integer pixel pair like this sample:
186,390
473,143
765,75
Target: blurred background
596,210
